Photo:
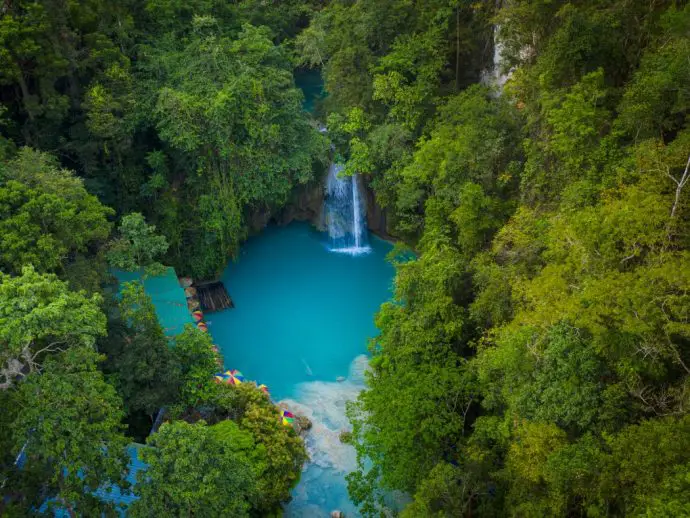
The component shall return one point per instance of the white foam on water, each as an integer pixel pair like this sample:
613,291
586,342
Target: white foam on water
352,250
324,402
358,368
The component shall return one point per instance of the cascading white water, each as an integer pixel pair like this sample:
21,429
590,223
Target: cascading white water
357,215
499,77
344,213
494,76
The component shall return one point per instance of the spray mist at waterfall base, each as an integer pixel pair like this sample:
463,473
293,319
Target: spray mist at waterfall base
362,250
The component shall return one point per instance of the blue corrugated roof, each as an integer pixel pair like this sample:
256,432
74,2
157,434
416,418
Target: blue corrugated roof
167,296
112,494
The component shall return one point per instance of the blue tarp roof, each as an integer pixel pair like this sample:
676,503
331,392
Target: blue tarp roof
113,494
167,296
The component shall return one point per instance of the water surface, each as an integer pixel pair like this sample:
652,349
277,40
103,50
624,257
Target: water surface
302,319
311,83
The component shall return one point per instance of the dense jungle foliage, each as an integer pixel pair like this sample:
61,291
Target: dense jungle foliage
535,360
133,135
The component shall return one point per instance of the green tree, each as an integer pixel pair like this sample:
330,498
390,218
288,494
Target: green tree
407,76
535,359
139,357
448,491
192,473
285,452
553,271
644,459
138,246
558,382
196,364
468,143
279,452
659,95
46,214
50,53
40,316
242,443
70,421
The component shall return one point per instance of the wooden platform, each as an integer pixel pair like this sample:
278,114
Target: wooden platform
213,296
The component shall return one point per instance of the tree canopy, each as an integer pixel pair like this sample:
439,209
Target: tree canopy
46,214
39,315
190,472
138,246
70,422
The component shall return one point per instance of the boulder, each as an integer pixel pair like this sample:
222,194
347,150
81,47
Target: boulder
306,204
258,219
337,514
303,423
186,282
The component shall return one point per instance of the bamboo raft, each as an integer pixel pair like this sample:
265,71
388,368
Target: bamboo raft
213,297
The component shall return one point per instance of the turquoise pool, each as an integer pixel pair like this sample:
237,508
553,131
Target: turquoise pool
301,321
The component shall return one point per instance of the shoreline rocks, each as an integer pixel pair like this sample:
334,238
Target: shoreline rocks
303,424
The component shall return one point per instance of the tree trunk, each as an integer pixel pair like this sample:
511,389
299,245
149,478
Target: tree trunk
457,48
25,95
679,187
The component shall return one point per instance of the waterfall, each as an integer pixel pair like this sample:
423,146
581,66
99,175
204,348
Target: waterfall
344,213
356,213
159,420
494,76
